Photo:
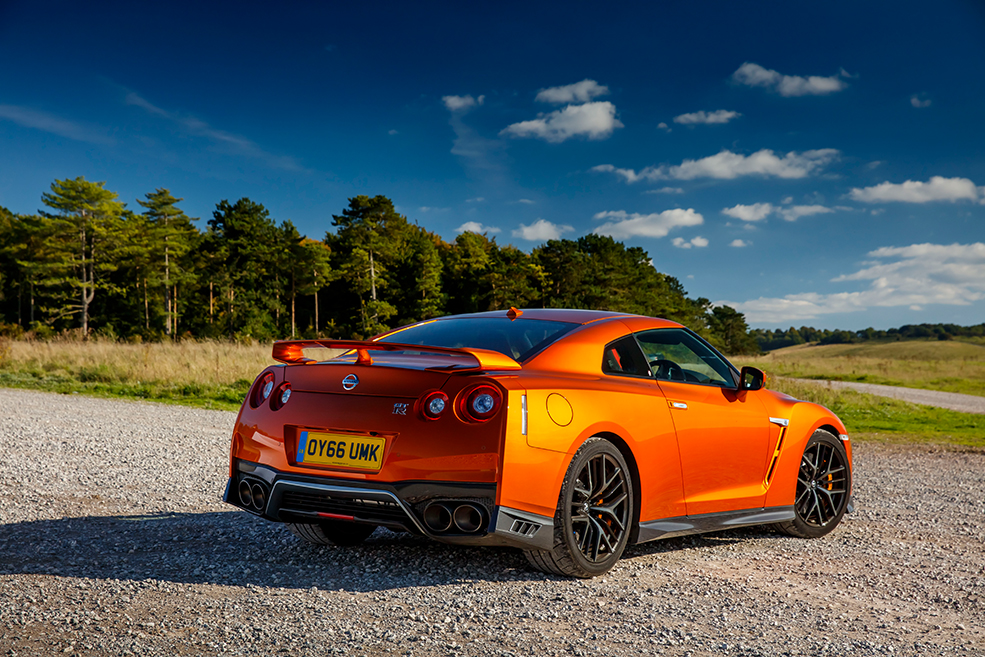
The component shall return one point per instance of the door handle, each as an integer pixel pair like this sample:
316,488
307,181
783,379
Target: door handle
680,405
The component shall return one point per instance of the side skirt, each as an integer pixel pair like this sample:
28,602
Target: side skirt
711,522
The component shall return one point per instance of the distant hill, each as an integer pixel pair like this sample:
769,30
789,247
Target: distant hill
924,349
778,339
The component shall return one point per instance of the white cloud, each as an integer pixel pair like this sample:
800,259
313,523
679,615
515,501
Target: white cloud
937,188
475,227
592,120
393,132
718,116
477,199
579,92
754,75
699,242
657,224
31,118
541,231
727,165
664,126
234,143
461,103
754,212
665,190
919,102
759,211
739,243
916,275
797,211
525,201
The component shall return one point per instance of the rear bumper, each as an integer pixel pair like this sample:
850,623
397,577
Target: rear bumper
289,497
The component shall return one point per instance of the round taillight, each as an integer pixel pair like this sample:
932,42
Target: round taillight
264,387
281,397
481,403
434,404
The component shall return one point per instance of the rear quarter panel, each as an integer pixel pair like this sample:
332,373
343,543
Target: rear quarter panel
624,409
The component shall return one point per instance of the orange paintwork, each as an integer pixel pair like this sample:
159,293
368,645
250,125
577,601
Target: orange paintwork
711,457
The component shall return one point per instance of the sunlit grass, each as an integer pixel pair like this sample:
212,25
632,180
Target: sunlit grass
951,366
218,375
208,374
869,417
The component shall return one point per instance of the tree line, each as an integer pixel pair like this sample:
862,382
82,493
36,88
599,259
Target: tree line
769,340
87,262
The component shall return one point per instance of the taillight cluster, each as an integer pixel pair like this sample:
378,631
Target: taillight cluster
477,404
264,390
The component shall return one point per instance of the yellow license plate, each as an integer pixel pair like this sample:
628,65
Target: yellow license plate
341,450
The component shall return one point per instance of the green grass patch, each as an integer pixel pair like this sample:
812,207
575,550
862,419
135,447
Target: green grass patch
224,397
882,419
949,366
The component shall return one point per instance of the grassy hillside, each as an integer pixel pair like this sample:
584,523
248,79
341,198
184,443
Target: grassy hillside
951,366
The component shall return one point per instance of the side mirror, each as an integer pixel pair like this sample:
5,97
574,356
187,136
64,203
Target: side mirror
752,379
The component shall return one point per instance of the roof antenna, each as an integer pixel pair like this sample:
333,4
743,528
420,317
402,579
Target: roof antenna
513,313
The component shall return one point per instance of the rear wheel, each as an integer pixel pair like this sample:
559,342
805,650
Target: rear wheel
332,532
594,514
824,483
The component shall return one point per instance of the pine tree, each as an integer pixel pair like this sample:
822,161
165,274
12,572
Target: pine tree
86,229
172,235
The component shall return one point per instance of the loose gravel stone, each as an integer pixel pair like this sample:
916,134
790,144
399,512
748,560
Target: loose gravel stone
113,541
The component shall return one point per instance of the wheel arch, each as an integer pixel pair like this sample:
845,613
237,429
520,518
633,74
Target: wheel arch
627,453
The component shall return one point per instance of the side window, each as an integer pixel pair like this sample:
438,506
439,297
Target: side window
623,357
676,355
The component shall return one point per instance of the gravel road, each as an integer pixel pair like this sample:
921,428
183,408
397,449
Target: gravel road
113,541
952,400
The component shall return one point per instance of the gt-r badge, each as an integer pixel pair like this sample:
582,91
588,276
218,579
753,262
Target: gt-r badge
350,382
400,409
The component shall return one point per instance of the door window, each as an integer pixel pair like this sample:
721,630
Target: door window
677,355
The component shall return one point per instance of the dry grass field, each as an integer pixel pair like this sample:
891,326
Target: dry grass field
217,375
951,366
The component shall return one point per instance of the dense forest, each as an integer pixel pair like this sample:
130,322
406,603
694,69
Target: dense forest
87,263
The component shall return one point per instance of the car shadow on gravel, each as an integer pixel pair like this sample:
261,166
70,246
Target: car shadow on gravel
236,549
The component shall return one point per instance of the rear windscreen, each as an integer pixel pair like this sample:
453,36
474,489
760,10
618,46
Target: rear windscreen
519,339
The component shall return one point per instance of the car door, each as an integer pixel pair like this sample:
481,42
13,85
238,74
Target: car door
722,432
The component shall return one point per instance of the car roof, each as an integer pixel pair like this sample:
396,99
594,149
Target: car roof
571,316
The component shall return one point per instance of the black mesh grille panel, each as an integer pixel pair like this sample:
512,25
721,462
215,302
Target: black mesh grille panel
376,510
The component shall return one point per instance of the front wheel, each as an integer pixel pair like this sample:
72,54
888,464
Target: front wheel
824,483
332,532
594,514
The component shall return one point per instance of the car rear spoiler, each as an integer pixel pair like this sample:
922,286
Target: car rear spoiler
291,352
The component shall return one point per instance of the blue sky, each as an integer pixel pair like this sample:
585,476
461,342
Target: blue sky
807,164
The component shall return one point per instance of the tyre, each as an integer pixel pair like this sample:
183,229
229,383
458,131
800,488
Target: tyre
332,532
824,483
594,514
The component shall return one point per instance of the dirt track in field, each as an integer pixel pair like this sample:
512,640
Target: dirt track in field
952,400
113,541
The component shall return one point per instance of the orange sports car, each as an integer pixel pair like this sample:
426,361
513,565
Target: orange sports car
566,433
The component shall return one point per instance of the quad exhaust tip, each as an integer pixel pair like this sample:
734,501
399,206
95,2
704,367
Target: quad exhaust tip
252,496
441,517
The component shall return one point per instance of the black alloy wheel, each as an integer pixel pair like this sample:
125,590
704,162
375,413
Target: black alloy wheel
823,487
594,516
